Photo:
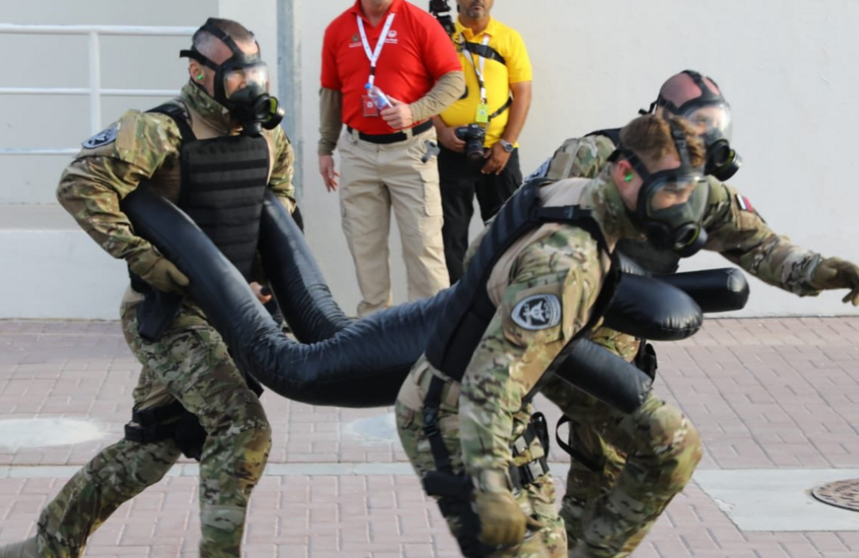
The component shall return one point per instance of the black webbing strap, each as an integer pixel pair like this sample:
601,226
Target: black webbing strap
484,51
528,473
432,403
154,415
570,450
613,134
154,424
501,110
176,114
150,434
646,360
453,490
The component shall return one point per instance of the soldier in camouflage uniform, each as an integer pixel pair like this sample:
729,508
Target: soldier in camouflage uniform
627,468
189,362
482,417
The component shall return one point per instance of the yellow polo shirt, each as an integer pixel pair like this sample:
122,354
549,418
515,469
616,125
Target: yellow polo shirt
496,76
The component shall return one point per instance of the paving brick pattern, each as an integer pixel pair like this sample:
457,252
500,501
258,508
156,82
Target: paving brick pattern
775,393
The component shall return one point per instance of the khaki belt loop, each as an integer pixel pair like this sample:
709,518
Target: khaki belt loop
450,392
451,398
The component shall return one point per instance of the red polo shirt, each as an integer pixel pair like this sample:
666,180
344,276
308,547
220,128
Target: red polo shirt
417,52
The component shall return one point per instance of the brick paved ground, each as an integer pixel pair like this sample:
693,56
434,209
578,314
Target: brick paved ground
765,394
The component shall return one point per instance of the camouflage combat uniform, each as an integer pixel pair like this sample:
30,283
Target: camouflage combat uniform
481,418
189,363
642,460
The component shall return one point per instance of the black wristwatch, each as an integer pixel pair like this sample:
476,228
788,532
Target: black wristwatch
508,147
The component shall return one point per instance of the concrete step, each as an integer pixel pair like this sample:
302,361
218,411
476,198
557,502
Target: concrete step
52,269
45,217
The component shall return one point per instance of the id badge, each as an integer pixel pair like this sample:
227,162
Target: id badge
482,116
370,110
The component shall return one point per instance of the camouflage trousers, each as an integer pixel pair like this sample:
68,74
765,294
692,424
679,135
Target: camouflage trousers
641,461
190,363
537,499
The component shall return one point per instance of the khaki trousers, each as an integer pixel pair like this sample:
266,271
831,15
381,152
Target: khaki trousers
374,179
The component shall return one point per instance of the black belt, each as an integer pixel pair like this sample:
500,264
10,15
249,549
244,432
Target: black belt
396,136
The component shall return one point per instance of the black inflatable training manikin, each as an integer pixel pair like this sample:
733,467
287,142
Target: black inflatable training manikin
348,363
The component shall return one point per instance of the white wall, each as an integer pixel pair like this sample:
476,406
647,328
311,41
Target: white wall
50,268
787,66
61,61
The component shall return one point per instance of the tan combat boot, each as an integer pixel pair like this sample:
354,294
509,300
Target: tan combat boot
23,549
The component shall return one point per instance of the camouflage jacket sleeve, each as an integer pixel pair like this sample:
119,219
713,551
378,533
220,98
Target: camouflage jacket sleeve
283,169
111,165
737,231
554,285
577,158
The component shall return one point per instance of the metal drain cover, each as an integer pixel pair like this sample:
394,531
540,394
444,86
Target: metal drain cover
841,494
381,429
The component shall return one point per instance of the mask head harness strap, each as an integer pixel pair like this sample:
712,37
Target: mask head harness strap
707,97
723,161
251,105
239,57
678,135
685,236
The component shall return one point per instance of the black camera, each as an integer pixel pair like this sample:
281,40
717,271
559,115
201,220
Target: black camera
473,135
440,9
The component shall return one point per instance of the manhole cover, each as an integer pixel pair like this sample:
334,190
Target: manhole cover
842,494
381,429
43,432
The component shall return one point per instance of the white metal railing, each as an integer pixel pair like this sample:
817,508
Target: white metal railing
93,90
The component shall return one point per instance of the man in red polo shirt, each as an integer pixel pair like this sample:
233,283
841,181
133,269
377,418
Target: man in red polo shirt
388,156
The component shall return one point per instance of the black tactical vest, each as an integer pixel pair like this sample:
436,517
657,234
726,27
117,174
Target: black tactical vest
224,182
469,311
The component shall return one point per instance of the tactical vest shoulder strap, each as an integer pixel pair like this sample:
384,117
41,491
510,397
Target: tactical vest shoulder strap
560,166
611,133
469,311
175,112
575,215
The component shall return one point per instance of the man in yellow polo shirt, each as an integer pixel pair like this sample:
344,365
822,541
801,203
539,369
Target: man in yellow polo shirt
478,133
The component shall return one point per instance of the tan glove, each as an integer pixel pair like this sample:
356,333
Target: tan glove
502,521
158,271
835,273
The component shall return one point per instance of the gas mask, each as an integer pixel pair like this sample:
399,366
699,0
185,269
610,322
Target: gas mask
671,202
712,113
241,85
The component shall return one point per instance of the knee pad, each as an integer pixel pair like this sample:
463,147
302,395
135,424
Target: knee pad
673,437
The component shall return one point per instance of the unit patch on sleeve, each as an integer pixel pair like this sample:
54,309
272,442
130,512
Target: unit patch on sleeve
538,312
102,138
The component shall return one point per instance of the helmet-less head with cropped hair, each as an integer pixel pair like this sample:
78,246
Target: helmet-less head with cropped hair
230,69
658,168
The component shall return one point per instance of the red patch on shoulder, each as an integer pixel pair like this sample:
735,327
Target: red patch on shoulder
745,204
